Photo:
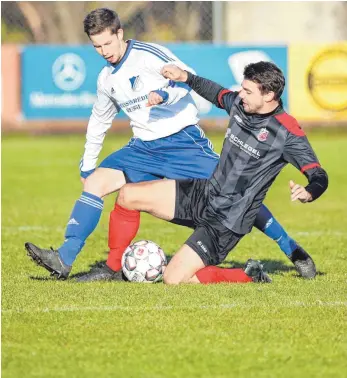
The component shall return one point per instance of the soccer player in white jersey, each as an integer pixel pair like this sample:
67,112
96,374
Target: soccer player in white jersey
167,142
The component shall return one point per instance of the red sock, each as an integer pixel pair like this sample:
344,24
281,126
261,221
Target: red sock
213,274
123,227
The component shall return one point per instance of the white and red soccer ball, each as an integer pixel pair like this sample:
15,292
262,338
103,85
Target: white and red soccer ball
144,261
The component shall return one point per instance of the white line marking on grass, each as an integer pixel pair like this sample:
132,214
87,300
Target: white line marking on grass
309,234
169,308
31,228
320,233
43,228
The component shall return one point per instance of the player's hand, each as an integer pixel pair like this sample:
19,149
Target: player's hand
174,73
298,192
154,99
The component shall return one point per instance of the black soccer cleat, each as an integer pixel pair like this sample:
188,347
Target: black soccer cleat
255,270
303,263
50,260
101,272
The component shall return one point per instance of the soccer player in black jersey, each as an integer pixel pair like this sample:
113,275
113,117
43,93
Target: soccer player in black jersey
260,140
150,156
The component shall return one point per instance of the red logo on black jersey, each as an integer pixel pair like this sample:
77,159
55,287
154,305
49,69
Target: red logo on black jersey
263,134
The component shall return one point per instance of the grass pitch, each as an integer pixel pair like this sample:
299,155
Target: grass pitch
291,328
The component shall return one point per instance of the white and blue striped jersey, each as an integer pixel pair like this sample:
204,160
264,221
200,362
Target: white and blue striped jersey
126,86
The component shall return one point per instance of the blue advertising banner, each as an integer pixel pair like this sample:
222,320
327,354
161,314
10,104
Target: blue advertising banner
59,82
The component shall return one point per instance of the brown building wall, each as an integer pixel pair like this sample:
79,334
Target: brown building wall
10,85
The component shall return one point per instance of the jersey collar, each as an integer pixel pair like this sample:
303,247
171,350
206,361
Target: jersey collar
277,110
127,52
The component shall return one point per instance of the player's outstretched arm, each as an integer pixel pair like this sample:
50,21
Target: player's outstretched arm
298,192
318,184
209,90
172,72
299,153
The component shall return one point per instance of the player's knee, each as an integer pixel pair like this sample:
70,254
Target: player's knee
127,196
103,182
95,188
133,196
92,185
170,278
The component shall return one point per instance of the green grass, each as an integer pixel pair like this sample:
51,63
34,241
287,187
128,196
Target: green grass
292,328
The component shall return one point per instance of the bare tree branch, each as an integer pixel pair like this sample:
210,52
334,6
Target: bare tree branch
33,19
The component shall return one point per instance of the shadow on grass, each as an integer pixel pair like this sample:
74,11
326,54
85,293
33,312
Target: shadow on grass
270,266
92,267
39,278
100,264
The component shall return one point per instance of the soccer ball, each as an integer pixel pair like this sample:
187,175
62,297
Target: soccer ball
144,261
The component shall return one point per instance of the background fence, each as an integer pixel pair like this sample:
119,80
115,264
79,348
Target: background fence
61,22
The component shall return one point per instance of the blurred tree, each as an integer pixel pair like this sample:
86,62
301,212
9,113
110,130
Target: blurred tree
13,35
187,18
62,21
56,22
173,21
14,28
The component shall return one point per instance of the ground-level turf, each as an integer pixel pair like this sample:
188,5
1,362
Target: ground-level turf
291,328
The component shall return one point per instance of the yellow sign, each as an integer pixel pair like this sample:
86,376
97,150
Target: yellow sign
318,82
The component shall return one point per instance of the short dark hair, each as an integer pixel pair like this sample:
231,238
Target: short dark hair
269,77
101,19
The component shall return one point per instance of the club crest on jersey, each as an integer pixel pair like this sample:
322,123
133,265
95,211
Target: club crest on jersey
263,134
136,83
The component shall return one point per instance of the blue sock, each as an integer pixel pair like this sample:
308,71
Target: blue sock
83,220
267,224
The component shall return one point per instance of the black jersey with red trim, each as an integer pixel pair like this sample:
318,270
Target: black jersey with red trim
255,149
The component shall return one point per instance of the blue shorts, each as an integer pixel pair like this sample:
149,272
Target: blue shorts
186,154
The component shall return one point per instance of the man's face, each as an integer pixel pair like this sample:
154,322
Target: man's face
109,46
252,99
